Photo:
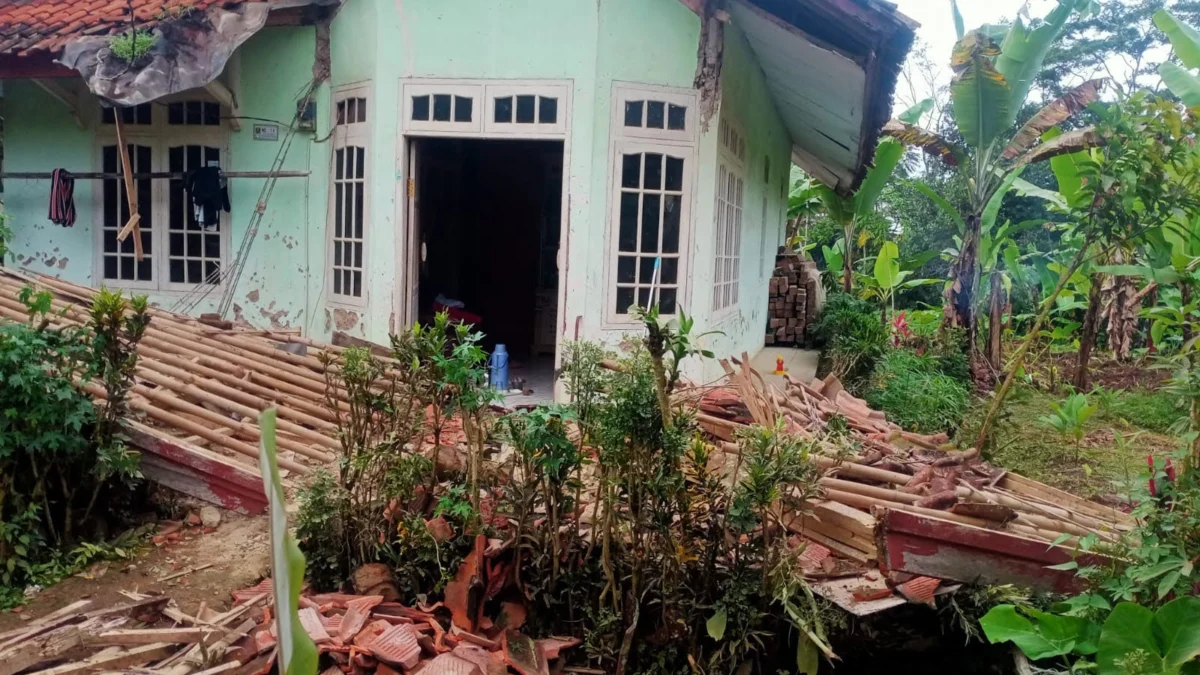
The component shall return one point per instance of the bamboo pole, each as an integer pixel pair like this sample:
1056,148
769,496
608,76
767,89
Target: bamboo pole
245,428
290,427
195,429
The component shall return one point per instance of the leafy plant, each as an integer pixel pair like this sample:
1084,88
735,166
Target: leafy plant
994,67
1133,640
1070,416
297,653
130,47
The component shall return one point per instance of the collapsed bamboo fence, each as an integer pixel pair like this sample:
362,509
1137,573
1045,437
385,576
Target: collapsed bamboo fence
206,385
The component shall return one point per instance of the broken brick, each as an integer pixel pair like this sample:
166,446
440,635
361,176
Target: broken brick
522,655
449,664
313,626
552,647
920,590
398,646
439,529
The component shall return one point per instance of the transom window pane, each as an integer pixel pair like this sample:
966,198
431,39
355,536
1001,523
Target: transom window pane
120,260
352,111
193,248
648,231
194,114
139,115
651,114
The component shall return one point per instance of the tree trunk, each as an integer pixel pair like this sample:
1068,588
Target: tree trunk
848,259
959,311
1091,320
996,304
1018,358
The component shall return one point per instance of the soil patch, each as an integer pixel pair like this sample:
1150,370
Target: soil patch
238,552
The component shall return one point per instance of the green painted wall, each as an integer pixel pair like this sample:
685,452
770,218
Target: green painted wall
273,67
591,43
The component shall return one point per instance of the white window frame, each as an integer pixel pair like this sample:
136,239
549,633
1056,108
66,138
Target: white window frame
561,92
160,137
357,134
731,167
484,93
641,140
431,88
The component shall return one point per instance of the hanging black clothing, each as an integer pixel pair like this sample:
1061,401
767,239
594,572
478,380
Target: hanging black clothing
208,194
62,198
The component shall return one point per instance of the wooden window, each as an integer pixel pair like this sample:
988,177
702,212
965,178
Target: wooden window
194,113
119,263
660,114
179,254
348,197
731,193
650,206
649,231
140,115
193,249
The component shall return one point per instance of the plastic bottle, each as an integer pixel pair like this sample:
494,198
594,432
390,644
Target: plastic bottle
498,375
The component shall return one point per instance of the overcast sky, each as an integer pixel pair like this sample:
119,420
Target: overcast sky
937,24
937,31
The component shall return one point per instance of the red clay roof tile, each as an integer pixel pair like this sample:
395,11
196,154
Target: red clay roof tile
45,25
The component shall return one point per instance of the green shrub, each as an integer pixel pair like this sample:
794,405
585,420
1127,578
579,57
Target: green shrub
916,393
852,335
65,472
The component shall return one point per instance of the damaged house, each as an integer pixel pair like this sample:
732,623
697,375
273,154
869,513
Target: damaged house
536,166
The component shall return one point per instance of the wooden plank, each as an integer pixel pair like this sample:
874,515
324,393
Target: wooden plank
112,660
929,546
149,636
41,649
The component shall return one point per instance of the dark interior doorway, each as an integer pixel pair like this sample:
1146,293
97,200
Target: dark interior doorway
488,224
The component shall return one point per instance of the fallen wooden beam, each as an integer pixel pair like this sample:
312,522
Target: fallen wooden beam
150,636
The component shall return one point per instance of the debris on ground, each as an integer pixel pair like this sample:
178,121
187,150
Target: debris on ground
353,633
902,505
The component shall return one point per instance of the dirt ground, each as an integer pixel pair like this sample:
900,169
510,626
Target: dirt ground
238,550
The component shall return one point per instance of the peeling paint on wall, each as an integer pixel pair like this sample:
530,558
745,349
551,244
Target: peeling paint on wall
277,318
252,296
344,319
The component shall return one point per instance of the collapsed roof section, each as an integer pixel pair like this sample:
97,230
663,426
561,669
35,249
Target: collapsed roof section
193,40
831,67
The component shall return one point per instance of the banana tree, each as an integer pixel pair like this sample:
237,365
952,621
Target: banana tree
994,68
848,211
890,277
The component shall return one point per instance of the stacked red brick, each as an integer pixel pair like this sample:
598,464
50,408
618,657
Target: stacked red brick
793,299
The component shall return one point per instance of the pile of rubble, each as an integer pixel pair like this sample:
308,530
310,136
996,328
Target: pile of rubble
354,634
901,504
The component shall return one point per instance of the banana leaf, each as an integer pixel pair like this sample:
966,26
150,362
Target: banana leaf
1070,142
981,95
297,653
887,157
1185,40
1023,51
1052,115
941,202
1182,83
927,141
959,30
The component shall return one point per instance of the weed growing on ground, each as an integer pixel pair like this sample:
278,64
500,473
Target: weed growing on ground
916,394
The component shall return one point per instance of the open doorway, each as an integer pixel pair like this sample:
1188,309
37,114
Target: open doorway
487,227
